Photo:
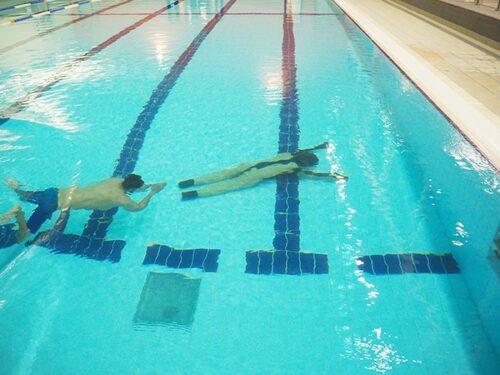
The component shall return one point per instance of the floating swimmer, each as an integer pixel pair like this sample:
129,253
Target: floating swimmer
103,195
249,174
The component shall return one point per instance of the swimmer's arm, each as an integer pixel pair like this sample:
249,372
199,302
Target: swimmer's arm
335,175
131,205
318,147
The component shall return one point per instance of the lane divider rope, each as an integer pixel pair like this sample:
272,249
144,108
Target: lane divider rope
44,12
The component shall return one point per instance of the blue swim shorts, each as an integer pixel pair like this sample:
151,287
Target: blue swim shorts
47,201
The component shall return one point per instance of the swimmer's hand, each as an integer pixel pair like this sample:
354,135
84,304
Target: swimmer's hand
335,175
155,188
13,184
340,175
322,145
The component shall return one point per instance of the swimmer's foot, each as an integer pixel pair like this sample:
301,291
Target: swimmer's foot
10,214
13,184
187,195
186,183
341,175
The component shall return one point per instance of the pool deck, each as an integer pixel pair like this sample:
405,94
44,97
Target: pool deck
460,74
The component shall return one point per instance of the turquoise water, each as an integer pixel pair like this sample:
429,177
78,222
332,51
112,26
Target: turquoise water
415,186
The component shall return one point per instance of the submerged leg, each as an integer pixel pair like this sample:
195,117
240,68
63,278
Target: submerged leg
23,230
245,180
14,185
217,176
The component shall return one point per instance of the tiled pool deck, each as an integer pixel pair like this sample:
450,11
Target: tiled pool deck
459,74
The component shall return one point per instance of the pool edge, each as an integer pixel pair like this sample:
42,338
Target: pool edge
471,118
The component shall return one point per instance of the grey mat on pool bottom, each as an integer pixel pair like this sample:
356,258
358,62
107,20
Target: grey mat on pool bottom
168,298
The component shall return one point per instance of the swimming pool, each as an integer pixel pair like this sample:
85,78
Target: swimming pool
173,90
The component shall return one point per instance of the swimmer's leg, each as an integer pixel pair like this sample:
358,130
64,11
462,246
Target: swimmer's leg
245,180
23,230
217,176
23,195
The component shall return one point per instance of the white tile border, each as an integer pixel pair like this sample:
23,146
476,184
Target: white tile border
473,119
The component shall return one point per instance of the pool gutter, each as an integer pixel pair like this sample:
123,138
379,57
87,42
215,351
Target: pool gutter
472,118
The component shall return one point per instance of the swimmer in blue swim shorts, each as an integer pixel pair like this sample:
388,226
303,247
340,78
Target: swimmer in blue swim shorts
103,195
249,174
9,235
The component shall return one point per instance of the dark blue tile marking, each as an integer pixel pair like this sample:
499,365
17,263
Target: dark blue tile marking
264,262
378,264
393,264
293,263
286,210
407,265
421,263
320,263
99,221
450,264
307,262
287,187
280,262
84,246
390,264
7,235
365,264
435,264
205,259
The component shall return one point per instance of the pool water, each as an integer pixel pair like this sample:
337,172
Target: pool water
176,89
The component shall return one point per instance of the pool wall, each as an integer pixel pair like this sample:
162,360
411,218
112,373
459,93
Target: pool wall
462,186
458,181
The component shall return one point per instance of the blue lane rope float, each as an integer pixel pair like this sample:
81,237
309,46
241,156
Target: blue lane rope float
23,5
42,13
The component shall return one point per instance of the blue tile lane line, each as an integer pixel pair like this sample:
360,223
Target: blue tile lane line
285,258
96,228
263,262
7,235
391,264
205,259
57,77
92,248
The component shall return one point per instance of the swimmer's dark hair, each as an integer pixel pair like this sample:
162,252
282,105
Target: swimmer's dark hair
305,158
132,182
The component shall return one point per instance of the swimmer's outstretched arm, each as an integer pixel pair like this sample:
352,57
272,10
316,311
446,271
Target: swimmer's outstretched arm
131,205
335,175
318,147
